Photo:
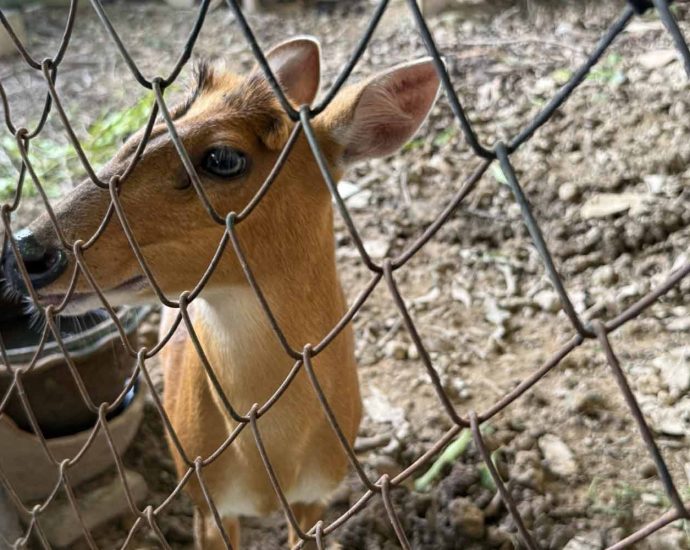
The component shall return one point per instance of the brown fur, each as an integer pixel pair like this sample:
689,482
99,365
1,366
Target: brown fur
288,241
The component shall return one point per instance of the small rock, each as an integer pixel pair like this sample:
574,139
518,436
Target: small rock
585,541
376,248
395,350
668,539
568,192
548,301
467,517
655,183
679,324
604,276
674,368
97,508
544,86
347,189
633,290
642,27
460,294
380,409
456,388
651,499
361,200
657,58
667,422
558,457
604,205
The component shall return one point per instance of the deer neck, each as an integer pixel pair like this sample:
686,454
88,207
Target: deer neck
306,300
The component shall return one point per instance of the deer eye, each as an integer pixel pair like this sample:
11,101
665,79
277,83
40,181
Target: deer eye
224,162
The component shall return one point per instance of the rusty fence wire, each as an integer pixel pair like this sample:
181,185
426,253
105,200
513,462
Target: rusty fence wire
385,271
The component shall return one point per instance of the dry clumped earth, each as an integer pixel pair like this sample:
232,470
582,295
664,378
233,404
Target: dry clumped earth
609,181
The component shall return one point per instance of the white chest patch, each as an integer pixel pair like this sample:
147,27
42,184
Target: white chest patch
241,336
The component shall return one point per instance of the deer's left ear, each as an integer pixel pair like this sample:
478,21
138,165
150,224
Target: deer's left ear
296,64
378,117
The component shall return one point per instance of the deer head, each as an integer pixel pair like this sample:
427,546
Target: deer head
233,129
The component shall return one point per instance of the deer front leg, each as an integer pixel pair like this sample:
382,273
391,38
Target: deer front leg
207,536
307,515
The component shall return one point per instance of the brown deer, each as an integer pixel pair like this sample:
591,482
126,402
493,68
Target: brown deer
233,129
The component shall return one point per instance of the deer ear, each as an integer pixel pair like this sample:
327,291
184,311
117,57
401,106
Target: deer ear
296,65
386,111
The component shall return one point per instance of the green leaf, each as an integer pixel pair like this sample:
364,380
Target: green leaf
485,478
498,174
450,454
444,137
55,161
561,76
413,144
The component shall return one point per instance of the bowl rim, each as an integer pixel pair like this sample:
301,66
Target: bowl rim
77,345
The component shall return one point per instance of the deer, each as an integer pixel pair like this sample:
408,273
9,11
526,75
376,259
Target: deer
233,128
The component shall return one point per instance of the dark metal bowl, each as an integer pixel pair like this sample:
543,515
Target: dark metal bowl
94,347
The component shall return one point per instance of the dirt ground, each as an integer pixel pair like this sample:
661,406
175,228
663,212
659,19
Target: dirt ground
609,181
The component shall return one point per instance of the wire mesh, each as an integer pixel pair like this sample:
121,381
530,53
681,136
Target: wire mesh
381,273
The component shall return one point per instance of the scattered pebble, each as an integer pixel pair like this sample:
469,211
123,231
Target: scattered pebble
679,324
558,458
604,276
569,192
656,59
548,301
585,541
468,518
674,367
395,350
604,205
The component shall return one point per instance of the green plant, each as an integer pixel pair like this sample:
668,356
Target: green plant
498,174
608,72
616,501
444,137
55,160
413,144
451,453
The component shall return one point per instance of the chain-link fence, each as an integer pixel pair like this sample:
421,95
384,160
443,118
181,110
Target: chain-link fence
381,273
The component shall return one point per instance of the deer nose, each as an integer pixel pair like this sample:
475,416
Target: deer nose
44,265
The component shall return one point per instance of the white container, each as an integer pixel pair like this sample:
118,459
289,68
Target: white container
32,475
